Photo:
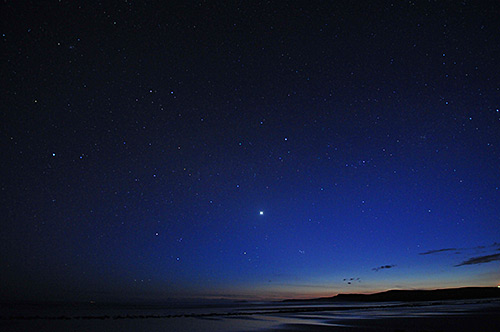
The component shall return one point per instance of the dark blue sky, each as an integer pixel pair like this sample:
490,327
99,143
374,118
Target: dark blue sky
140,142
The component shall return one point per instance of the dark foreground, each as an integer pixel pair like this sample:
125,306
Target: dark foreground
448,315
487,321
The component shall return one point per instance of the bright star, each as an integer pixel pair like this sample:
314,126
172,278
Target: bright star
261,213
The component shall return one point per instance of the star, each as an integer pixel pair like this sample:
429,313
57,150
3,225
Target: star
261,213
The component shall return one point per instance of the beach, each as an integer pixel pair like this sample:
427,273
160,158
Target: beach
463,315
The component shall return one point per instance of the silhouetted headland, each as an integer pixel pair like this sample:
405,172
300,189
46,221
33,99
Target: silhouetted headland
413,295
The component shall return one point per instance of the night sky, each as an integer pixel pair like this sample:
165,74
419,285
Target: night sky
156,150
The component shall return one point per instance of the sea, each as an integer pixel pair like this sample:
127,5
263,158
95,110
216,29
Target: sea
452,315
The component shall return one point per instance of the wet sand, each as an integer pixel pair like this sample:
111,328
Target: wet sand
485,321
444,316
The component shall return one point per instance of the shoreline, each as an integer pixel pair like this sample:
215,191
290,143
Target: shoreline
443,316
446,317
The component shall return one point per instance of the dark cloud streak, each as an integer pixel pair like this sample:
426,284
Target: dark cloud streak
480,260
376,269
437,251
495,246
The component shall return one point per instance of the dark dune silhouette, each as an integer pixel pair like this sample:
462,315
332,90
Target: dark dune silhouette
414,295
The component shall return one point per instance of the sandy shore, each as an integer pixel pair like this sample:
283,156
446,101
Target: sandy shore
484,321
447,316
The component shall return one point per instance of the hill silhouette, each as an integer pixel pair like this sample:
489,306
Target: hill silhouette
413,295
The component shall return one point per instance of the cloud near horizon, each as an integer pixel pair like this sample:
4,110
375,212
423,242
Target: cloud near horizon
429,252
376,269
494,246
480,260
349,281
481,254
